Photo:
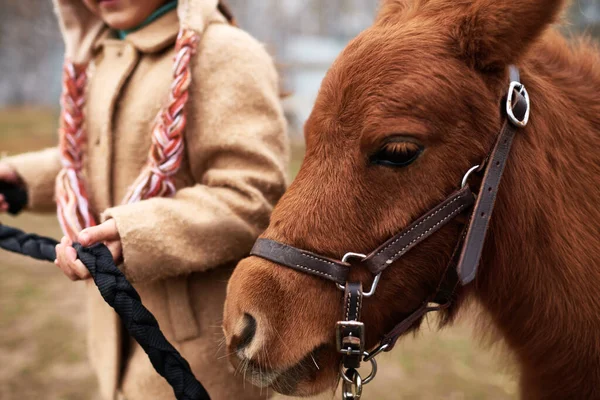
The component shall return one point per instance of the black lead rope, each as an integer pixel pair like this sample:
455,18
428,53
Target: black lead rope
118,293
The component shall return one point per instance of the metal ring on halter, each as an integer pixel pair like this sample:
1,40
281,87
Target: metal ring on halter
465,179
519,87
368,379
348,256
352,390
361,256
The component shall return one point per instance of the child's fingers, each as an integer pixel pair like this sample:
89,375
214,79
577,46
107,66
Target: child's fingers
116,249
75,265
80,270
66,241
66,259
63,264
96,234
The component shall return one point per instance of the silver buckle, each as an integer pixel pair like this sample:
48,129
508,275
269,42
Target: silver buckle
360,256
352,341
519,87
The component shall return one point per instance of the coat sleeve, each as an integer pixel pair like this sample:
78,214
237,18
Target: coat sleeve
38,170
237,151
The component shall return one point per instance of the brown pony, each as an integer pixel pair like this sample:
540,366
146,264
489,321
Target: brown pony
410,105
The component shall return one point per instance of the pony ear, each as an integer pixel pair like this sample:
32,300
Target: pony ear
492,34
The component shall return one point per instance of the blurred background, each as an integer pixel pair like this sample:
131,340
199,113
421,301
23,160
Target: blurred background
42,346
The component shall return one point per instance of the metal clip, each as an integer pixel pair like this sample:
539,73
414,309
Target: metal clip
370,356
352,385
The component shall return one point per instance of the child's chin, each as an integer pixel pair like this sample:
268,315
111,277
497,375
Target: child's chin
120,20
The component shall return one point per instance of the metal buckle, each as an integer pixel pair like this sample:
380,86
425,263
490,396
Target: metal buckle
350,337
360,256
519,87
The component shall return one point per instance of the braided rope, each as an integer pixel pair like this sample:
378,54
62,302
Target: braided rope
120,295
140,323
166,152
31,245
71,196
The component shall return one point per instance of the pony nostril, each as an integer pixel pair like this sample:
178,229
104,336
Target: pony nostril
248,332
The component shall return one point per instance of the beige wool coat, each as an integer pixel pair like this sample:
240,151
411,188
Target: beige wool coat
180,251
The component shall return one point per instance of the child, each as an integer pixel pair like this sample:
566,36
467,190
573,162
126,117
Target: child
173,140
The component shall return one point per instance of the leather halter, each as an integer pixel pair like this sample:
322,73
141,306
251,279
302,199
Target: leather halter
466,256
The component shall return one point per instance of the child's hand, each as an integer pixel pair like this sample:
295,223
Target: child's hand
66,256
106,233
66,259
9,175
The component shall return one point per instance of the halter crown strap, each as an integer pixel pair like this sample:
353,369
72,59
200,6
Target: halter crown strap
518,109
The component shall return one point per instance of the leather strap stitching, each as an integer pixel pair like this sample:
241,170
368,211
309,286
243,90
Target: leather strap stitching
349,295
314,271
318,259
456,211
416,226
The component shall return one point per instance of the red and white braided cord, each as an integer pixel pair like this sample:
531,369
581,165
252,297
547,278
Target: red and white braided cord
166,153
71,197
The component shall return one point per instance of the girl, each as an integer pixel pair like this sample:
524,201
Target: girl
172,152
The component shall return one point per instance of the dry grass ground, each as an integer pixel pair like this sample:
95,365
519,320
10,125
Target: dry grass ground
42,344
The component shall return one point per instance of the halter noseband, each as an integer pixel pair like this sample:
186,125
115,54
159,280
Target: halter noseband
465,259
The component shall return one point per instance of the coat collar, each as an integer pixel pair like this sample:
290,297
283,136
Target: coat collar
152,38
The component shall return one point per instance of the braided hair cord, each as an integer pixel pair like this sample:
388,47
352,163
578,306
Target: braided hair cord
167,150
165,156
71,196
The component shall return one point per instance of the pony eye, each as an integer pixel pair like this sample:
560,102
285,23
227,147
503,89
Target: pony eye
397,154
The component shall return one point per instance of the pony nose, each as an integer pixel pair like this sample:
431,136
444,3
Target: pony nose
248,332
